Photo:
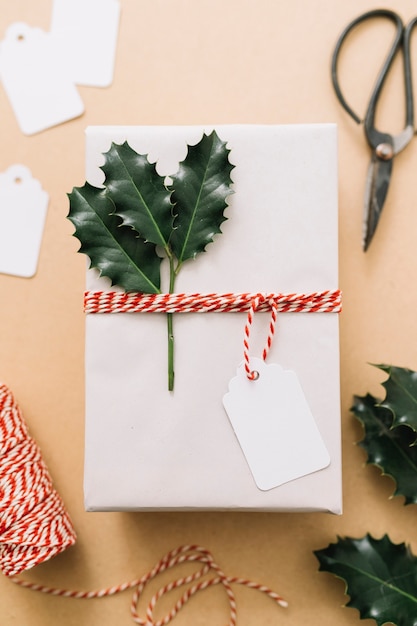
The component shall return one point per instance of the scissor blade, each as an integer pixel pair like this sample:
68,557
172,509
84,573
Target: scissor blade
377,182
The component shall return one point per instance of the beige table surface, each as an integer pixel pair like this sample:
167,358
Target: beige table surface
214,61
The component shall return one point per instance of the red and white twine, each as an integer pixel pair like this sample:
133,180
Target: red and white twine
328,301
120,302
34,526
195,581
256,303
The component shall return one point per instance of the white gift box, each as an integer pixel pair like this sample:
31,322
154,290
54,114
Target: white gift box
150,449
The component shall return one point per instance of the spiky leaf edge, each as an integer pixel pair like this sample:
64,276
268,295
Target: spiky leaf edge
328,561
132,181
134,251
180,246
400,432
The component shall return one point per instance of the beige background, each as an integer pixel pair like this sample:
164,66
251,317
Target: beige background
214,61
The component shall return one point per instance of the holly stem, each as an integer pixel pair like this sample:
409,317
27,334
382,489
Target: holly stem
170,352
172,276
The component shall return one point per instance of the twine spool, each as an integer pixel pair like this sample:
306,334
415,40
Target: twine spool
34,525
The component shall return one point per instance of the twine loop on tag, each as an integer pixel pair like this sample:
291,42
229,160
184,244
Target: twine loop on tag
256,302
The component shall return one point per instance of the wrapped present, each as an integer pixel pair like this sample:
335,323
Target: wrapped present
218,440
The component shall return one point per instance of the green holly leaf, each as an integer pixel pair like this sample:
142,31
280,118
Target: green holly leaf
390,449
139,193
380,577
117,251
200,189
401,395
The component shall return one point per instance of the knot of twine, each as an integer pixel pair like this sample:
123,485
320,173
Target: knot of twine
34,525
329,301
195,582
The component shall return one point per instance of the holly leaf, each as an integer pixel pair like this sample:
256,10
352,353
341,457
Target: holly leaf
390,449
401,395
380,577
200,189
139,193
117,251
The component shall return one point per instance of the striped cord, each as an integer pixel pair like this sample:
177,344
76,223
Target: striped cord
184,554
255,306
120,302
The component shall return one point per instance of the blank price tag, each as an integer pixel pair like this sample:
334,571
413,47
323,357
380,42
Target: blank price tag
274,425
36,79
23,207
86,32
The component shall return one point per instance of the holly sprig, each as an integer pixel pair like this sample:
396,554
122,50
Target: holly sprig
124,225
381,576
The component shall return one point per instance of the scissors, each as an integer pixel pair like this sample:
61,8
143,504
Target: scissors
384,146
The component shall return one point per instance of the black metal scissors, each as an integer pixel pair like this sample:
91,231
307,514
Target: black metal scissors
383,145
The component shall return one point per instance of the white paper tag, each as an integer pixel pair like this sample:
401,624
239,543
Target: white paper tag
36,79
23,207
274,425
86,31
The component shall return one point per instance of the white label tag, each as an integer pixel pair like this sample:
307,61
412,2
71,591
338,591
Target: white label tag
36,80
86,31
23,207
274,425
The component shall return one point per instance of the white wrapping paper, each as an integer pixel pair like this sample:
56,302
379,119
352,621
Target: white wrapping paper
150,449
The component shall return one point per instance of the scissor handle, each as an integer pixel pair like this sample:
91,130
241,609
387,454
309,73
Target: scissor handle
407,72
370,114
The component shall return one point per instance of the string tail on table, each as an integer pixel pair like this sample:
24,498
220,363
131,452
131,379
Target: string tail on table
197,581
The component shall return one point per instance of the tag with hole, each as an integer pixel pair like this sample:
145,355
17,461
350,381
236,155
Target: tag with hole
36,80
23,208
274,425
93,25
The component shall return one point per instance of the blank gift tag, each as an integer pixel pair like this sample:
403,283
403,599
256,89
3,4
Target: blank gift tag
36,80
23,207
93,26
274,425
